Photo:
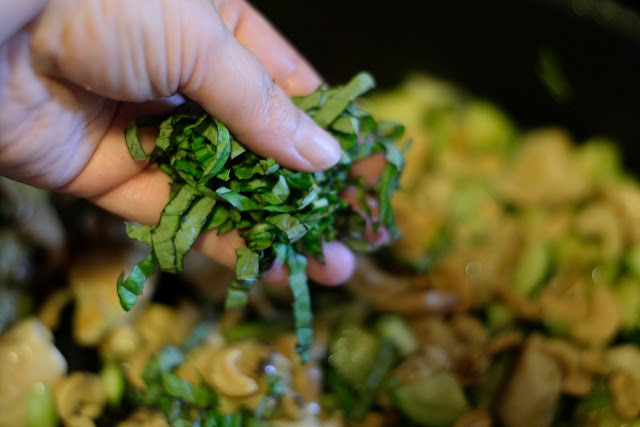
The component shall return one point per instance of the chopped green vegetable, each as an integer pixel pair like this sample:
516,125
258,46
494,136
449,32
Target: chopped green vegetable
129,289
596,410
499,317
532,268
217,183
395,329
600,159
486,128
113,382
367,392
628,296
437,400
632,261
181,401
253,329
41,406
352,354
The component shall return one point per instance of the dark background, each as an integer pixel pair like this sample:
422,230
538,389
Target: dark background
491,48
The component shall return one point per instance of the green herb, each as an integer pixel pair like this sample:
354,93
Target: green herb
183,403
41,406
189,404
282,213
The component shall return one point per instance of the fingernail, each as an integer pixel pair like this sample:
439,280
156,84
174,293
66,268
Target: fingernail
315,144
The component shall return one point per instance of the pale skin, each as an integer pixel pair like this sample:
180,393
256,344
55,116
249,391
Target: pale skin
73,73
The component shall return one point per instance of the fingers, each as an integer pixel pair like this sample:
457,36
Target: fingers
376,238
267,115
142,197
281,60
234,86
149,49
338,267
369,169
111,163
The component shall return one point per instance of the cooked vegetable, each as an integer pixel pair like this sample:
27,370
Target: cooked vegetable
41,407
284,214
532,393
435,401
396,330
113,382
27,357
80,398
176,397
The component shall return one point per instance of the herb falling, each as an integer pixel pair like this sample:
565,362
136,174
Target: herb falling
282,214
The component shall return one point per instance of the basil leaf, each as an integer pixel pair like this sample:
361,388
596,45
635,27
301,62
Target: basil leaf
247,265
346,124
306,103
293,228
141,233
393,155
223,149
129,289
191,227
388,180
162,236
192,394
236,149
164,137
337,103
237,200
301,304
219,216
238,294
132,139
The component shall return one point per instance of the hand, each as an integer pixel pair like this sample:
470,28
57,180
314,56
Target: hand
76,75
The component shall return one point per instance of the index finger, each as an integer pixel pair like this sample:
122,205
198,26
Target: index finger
290,70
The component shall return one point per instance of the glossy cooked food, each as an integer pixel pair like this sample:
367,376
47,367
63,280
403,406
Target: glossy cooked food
512,299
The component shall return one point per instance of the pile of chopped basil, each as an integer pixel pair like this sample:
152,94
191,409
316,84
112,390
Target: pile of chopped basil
282,214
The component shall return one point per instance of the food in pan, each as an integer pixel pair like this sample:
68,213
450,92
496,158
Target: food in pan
513,298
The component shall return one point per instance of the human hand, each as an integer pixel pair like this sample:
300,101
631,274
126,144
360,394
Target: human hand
72,79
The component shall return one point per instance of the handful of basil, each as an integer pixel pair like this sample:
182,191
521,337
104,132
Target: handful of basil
283,214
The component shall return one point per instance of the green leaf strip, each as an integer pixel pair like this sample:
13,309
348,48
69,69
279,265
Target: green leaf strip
129,289
192,224
132,138
238,294
141,233
163,234
340,99
301,303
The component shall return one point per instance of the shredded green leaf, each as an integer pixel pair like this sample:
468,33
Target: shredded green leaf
283,214
129,289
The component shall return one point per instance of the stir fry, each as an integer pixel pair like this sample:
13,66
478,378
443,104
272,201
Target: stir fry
513,298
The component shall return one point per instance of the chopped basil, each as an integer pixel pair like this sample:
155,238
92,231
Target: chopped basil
129,289
282,213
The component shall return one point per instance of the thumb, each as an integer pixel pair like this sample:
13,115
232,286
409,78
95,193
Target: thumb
231,83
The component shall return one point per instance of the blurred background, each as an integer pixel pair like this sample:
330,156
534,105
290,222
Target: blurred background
508,51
